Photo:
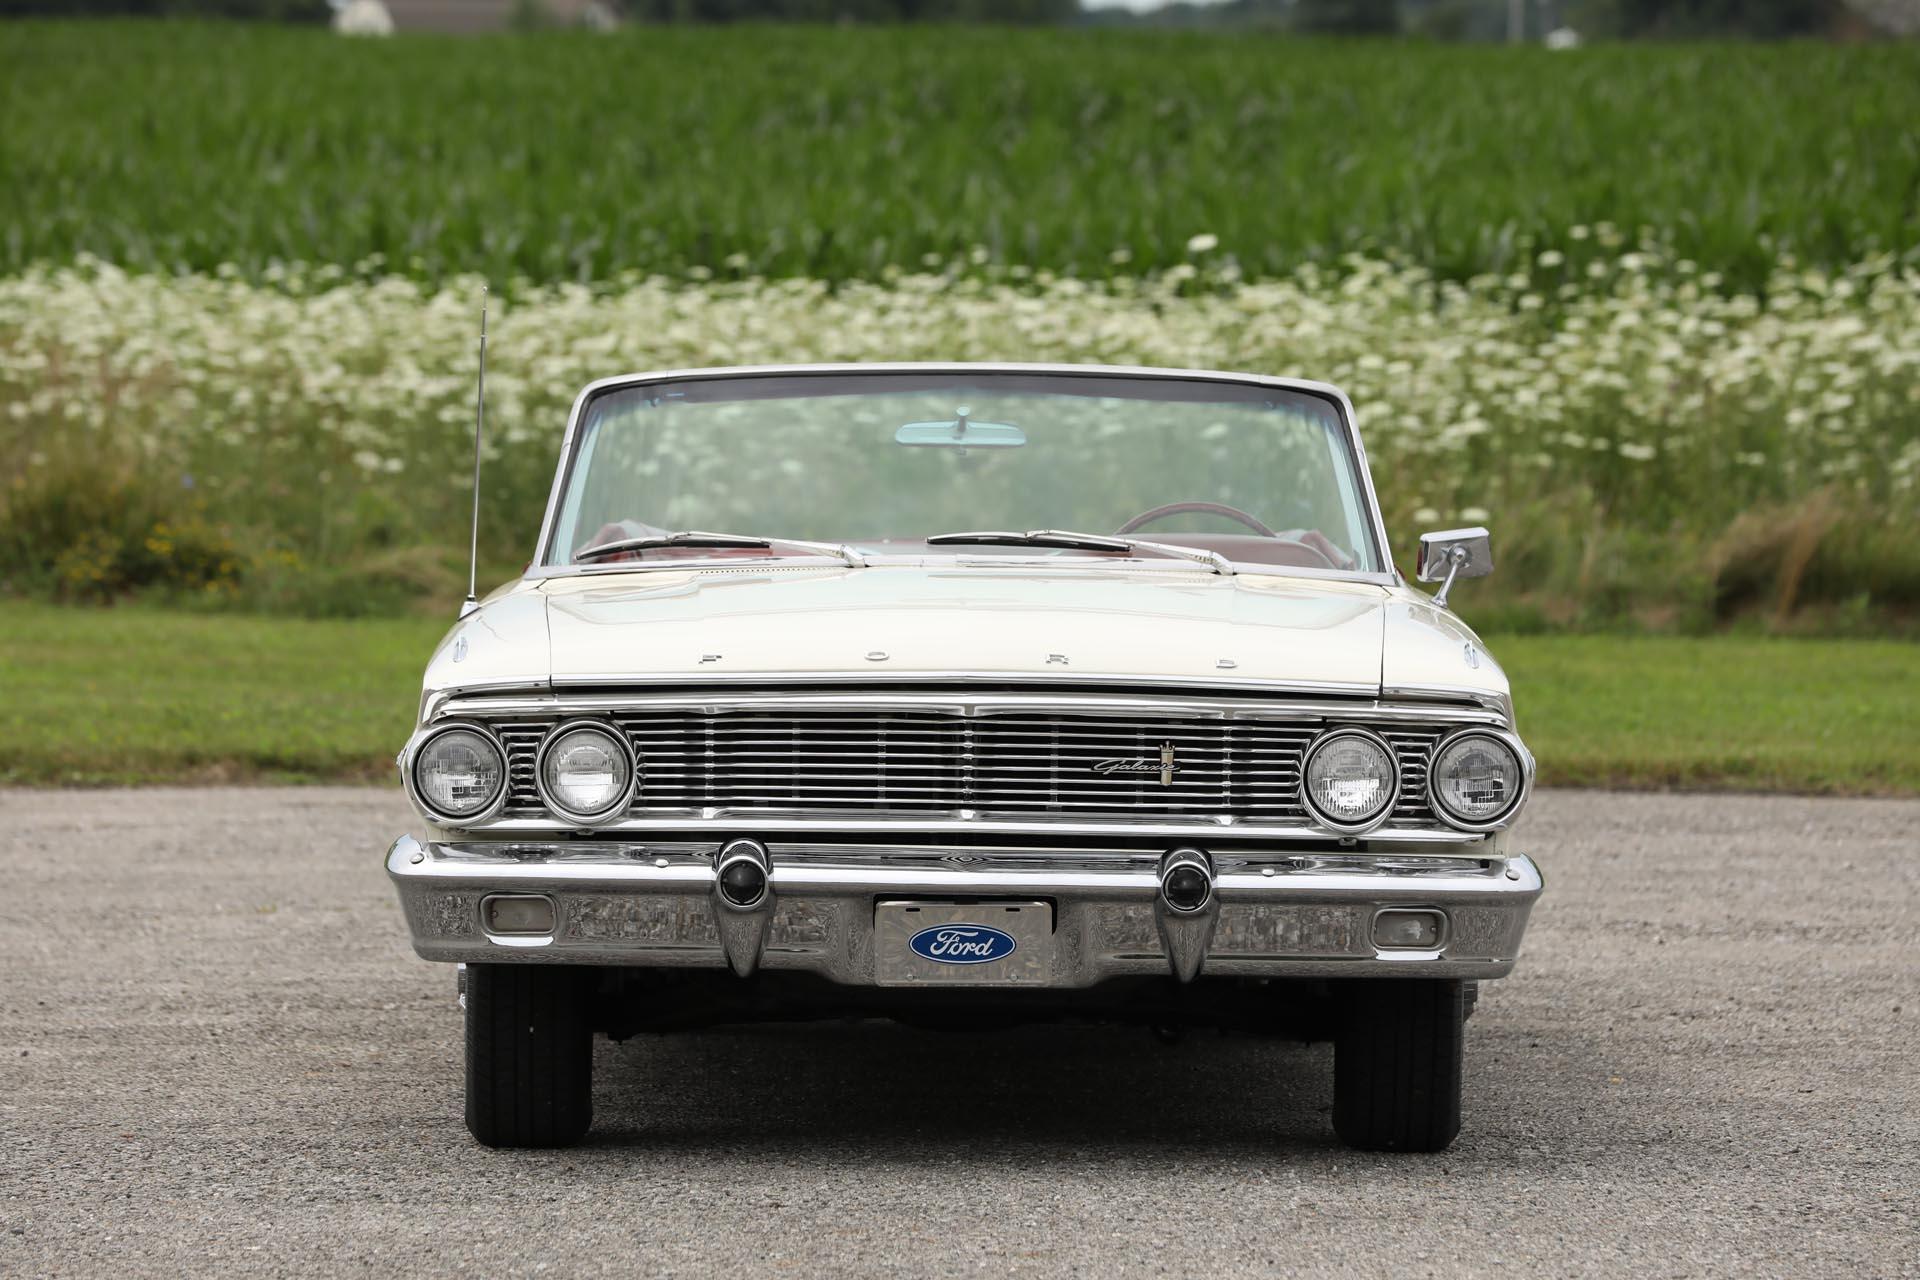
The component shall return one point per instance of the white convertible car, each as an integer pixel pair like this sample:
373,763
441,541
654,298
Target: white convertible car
963,695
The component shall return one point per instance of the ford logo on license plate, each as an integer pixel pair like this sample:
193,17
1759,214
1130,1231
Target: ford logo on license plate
962,944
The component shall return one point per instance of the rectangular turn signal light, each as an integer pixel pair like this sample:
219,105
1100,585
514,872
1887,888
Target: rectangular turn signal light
518,913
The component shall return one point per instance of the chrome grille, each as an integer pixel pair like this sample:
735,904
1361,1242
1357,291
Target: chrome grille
1413,748
522,741
1022,764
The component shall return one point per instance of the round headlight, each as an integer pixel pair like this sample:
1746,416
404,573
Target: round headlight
1477,780
459,773
1349,779
585,772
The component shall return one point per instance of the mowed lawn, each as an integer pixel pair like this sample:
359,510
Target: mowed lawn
143,695
136,695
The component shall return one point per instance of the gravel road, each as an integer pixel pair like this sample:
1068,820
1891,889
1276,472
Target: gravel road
216,1052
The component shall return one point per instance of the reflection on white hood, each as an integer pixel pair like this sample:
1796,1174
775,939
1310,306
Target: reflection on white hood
1075,624
890,623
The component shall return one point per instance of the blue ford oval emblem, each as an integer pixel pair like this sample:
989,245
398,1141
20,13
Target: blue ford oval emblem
962,944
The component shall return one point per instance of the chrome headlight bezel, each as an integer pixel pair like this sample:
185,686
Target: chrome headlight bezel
410,764
1500,821
620,803
1328,738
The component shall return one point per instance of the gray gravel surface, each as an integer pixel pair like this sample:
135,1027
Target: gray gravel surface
217,1054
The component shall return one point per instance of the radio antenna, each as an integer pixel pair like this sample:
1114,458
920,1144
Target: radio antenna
479,427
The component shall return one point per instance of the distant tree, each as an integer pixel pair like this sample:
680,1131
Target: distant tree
1348,17
1895,17
1455,19
721,11
260,10
1766,19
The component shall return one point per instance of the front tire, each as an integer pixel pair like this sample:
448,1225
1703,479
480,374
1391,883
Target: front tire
529,1055
1397,1064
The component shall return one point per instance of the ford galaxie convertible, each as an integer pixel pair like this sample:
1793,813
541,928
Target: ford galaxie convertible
964,695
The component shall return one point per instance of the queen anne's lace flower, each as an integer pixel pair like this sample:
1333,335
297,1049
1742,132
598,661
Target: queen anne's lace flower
1469,394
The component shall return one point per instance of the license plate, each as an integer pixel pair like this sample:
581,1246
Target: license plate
970,944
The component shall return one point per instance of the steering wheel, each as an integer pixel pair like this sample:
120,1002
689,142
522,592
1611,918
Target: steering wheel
1210,508
1310,541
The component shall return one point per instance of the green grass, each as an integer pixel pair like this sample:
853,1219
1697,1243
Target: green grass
1734,712
836,153
138,695
142,695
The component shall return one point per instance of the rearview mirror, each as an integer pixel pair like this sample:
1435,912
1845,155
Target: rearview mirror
960,433
1454,553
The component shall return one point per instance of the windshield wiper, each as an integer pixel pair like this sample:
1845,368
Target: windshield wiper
690,538
697,538
1033,538
1081,542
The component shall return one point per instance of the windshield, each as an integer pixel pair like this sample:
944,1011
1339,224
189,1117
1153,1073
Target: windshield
880,464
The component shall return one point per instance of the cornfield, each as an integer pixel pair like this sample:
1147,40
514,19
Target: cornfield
839,154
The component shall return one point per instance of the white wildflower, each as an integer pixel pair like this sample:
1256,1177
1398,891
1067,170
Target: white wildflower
314,368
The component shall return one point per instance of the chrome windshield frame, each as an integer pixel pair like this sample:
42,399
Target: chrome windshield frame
543,548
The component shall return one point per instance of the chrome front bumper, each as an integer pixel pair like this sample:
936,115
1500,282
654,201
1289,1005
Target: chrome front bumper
1271,913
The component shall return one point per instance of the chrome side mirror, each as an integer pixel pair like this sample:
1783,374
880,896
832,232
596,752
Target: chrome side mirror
1454,553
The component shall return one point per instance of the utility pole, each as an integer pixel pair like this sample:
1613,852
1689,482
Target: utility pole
1516,21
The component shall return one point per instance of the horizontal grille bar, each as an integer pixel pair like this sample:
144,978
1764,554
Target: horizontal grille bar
930,762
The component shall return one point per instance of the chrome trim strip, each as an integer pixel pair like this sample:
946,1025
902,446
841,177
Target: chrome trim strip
1266,861
1376,524
966,704
774,822
1172,564
734,565
1450,693
1330,688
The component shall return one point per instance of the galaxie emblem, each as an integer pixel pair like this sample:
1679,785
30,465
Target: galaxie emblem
962,944
1165,766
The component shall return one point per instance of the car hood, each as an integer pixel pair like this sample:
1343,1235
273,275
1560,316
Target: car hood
1160,626
895,622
